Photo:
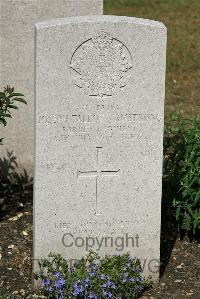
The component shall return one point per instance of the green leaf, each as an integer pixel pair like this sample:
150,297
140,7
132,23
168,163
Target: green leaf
187,222
12,106
19,100
3,121
15,95
178,209
2,95
190,210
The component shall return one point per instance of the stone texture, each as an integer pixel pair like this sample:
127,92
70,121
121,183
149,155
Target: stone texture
99,134
16,61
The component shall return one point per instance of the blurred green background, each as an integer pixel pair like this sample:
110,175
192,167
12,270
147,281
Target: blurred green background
182,19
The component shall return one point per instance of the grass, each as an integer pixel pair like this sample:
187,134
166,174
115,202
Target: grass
182,18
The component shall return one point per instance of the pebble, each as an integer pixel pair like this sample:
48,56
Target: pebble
11,246
162,284
15,218
178,280
0,256
22,292
180,266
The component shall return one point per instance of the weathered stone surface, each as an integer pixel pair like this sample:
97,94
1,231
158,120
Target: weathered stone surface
17,61
99,133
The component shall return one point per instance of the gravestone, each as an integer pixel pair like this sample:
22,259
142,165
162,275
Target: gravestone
99,132
17,18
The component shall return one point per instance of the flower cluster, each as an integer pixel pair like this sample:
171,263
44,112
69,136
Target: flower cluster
55,285
108,286
115,277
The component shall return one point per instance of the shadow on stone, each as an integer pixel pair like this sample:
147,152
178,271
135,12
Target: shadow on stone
15,186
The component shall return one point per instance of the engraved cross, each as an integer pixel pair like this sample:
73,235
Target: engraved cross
97,174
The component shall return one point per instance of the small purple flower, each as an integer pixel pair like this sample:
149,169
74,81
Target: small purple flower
107,294
77,290
92,265
139,288
92,296
104,285
138,279
91,274
46,282
57,275
86,282
60,283
109,283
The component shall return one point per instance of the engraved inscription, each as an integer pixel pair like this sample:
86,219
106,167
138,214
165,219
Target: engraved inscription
103,123
96,174
101,66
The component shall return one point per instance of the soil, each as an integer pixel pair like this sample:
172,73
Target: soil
180,271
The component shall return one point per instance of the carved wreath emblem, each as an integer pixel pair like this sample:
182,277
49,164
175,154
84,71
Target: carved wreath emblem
100,66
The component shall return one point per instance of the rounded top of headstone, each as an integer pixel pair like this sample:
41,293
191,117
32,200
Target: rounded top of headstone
96,19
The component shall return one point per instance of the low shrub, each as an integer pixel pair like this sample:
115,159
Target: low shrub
7,102
182,169
12,183
92,277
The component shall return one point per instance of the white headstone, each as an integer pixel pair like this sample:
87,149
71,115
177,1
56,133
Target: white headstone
100,84
17,18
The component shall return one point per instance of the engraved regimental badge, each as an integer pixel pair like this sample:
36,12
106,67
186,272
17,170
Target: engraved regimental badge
101,66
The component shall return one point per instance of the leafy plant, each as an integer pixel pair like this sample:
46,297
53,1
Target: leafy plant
92,277
182,169
7,103
12,183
